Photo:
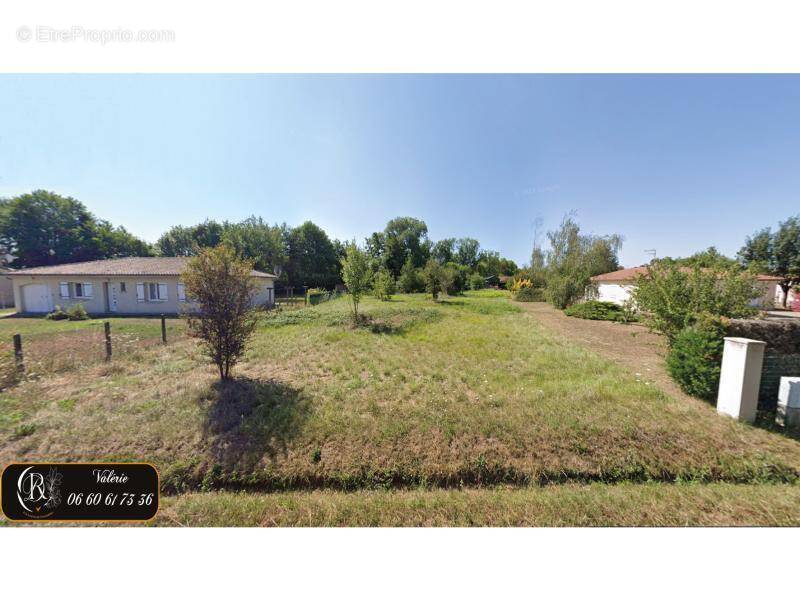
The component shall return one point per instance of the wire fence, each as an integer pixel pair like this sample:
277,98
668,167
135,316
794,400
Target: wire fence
57,348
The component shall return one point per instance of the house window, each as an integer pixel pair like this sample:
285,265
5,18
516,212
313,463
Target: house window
122,287
83,290
157,292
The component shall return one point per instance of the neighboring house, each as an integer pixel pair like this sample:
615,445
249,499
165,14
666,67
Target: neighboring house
6,288
617,286
125,286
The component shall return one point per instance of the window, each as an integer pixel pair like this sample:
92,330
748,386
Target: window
122,287
156,292
83,290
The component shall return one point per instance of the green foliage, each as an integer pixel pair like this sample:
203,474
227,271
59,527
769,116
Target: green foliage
694,358
77,312
457,278
58,314
529,294
404,238
672,297
357,275
384,286
258,242
189,241
476,281
775,253
410,279
315,296
597,311
221,284
312,258
437,278
573,258
44,228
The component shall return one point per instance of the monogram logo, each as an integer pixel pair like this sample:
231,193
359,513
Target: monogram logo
39,493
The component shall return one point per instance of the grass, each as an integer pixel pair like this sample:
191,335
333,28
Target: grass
469,391
563,505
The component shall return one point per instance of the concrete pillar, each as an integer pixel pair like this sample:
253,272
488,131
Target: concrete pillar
742,360
789,402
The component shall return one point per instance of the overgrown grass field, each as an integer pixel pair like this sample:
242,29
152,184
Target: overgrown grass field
468,392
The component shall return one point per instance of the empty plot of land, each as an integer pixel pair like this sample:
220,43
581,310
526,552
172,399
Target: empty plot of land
471,391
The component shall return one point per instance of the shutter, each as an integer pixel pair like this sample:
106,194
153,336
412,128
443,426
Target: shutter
87,289
64,287
140,292
162,291
181,293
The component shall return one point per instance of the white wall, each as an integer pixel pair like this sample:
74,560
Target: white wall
618,293
126,302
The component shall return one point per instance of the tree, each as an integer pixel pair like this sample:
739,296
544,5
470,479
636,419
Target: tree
443,251
383,286
775,253
405,237
357,275
189,241
437,278
256,240
467,252
222,286
574,258
673,297
312,259
410,280
44,228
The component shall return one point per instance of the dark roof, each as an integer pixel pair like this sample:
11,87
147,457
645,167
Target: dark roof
160,265
632,273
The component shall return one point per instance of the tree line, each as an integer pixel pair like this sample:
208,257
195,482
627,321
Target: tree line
44,228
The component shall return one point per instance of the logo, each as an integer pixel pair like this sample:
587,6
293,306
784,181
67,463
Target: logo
39,491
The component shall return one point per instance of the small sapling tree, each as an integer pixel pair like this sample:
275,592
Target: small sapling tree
222,287
356,275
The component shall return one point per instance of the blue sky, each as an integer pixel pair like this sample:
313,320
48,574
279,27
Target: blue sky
675,163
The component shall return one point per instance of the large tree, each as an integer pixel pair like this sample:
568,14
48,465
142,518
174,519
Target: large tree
313,261
467,252
775,253
258,241
44,228
189,241
405,237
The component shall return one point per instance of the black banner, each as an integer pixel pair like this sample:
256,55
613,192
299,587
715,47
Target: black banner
80,492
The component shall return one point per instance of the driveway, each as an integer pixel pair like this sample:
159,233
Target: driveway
631,346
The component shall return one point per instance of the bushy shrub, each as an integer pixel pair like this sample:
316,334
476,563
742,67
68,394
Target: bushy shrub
315,296
383,286
695,357
563,291
410,280
77,313
476,281
529,294
597,311
58,314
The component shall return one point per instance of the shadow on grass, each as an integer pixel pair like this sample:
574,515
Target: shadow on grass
247,419
396,324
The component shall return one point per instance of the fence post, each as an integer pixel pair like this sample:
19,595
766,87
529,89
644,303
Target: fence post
107,329
740,377
163,329
18,360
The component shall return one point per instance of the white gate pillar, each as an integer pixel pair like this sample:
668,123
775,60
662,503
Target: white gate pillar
740,377
788,413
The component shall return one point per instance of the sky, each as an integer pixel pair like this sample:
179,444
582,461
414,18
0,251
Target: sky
672,163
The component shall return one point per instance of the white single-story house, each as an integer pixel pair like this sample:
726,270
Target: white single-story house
617,286
124,286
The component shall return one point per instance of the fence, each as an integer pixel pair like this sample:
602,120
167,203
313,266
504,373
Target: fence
65,346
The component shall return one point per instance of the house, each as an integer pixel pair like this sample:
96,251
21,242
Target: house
617,286
124,286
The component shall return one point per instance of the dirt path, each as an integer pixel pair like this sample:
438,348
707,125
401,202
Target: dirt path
629,345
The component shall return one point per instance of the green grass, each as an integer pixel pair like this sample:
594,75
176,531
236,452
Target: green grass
466,392
552,506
